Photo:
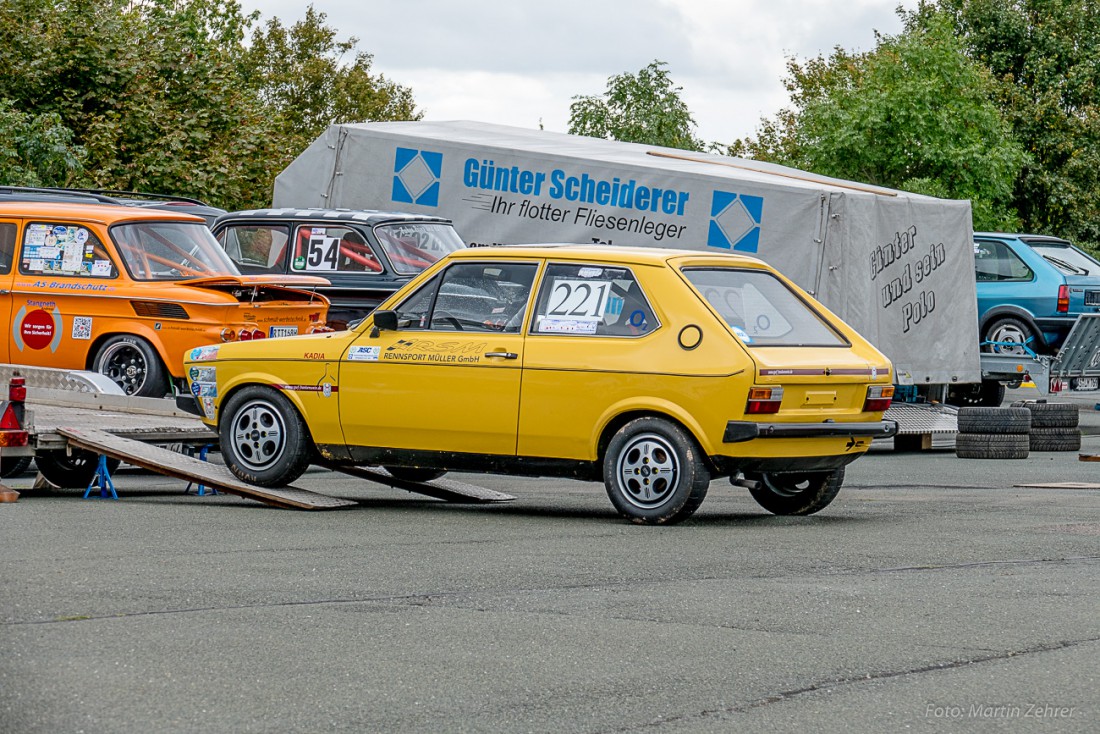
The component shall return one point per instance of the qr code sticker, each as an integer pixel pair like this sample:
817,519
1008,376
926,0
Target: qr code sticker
82,327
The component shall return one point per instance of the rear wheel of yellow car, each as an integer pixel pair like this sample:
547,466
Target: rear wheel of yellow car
797,493
654,472
414,473
263,439
133,364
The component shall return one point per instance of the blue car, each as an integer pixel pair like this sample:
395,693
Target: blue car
1031,289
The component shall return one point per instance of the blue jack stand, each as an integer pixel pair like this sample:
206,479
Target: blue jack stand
202,457
102,481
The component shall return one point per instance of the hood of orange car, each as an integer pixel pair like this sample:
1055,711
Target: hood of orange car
290,281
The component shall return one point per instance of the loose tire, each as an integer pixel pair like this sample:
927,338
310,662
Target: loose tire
414,473
14,466
1055,439
263,439
1051,415
133,364
994,420
654,472
71,470
797,493
992,445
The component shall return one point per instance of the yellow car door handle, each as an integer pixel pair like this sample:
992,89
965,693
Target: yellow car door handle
505,355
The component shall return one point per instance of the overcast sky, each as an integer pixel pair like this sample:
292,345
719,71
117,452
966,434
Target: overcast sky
520,62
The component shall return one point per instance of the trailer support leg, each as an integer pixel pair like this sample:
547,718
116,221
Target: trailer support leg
202,487
102,481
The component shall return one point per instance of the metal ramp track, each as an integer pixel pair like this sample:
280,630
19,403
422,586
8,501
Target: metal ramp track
180,466
443,489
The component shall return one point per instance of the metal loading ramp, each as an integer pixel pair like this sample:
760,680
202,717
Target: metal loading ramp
443,489
180,466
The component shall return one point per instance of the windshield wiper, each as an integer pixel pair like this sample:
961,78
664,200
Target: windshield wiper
1066,266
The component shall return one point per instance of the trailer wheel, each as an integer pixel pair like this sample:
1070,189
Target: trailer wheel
797,493
413,473
71,470
654,473
132,363
263,439
12,467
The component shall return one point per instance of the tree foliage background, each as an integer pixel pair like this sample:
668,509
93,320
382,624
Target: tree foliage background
187,97
991,100
637,108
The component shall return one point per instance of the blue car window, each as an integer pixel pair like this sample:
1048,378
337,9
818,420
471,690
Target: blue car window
996,262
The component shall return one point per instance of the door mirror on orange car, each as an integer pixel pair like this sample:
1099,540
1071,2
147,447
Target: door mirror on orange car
384,321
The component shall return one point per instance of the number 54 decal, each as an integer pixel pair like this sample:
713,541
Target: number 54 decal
323,253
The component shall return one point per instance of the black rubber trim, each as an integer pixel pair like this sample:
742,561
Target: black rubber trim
738,431
189,404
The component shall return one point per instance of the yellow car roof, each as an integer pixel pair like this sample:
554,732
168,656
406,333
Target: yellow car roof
609,253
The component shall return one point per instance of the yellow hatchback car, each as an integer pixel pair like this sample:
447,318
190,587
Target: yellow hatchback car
655,370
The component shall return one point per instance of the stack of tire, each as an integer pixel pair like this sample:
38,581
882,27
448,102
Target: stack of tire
1054,426
993,433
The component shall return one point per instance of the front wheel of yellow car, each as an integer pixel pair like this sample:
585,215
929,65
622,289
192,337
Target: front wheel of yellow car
263,439
797,493
654,472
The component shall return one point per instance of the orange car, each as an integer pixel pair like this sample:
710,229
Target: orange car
125,291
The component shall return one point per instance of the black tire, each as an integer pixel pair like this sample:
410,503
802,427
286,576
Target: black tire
1055,439
994,420
992,445
14,466
1051,415
654,472
263,439
1011,331
71,470
797,493
414,473
133,364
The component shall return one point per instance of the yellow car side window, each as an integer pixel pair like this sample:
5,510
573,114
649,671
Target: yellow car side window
592,300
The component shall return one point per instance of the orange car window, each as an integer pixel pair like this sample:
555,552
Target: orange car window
73,250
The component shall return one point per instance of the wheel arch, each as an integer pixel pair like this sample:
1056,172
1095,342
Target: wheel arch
620,419
140,332
268,381
1017,312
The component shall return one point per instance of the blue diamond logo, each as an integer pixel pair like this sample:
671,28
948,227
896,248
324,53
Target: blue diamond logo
735,221
416,176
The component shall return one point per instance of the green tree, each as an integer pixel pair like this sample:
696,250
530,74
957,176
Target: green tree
915,114
301,77
36,150
641,108
164,95
1045,58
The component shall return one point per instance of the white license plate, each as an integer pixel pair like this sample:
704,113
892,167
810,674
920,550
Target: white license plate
277,331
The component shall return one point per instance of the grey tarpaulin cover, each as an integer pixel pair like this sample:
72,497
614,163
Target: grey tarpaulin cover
898,267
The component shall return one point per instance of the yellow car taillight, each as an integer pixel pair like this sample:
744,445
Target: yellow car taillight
878,398
763,400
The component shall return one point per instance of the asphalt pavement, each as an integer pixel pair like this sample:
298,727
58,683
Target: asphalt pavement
935,594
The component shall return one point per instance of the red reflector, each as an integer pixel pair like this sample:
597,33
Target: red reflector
756,407
257,334
1063,299
876,405
9,421
245,335
17,393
